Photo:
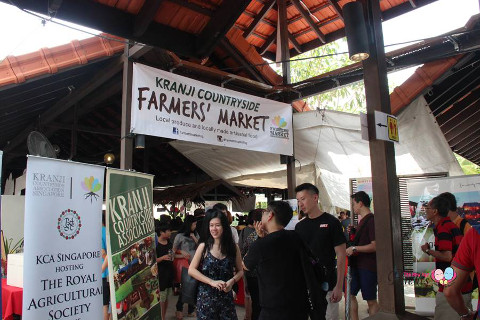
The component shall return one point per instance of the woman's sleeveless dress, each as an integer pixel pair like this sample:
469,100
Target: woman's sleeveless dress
213,304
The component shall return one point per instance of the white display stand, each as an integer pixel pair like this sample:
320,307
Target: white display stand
15,270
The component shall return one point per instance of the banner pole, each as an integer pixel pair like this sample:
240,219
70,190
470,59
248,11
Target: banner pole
1,155
347,294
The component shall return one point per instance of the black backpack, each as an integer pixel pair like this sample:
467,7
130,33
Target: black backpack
315,275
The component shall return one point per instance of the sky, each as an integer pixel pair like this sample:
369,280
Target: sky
22,33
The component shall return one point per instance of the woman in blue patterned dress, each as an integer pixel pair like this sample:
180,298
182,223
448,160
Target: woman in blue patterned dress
217,265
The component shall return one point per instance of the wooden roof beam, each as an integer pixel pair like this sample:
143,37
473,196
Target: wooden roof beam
470,150
266,7
268,43
240,59
295,43
194,7
309,20
145,16
70,100
337,8
218,73
216,29
86,129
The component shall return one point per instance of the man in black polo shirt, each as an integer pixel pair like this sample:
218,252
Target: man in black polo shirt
323,233
276,257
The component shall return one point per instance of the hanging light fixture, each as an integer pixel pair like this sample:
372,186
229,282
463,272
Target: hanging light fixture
139,141
356,31
109,158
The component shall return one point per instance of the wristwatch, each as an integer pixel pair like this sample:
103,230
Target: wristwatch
354,249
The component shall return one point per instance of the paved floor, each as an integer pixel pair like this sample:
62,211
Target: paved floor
363,312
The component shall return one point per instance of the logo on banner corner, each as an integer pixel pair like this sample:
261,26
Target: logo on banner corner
278,131
69,224
91,185
443,277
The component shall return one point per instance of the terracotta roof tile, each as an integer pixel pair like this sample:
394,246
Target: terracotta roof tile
423,77
50,60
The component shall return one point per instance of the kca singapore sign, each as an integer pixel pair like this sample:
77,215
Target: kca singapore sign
168,105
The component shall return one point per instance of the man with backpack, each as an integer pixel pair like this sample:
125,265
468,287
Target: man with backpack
323,234
276,256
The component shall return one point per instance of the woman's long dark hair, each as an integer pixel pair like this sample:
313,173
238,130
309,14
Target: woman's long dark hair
187,226
227,245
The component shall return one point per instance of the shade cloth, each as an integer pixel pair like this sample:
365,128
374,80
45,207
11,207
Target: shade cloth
329,151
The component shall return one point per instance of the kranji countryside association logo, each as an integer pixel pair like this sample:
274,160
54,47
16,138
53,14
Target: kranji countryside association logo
69,224
278,131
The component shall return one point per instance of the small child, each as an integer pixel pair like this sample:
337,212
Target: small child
165,265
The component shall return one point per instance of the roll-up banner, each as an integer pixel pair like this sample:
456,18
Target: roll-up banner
171,106
1,156
467,192
132,266
62,259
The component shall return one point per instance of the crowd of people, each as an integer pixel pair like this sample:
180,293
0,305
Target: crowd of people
271,260
267,257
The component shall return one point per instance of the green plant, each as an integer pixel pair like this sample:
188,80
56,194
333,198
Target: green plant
8,245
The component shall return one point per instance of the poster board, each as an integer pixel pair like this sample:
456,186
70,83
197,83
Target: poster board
62,260
132,267
467,192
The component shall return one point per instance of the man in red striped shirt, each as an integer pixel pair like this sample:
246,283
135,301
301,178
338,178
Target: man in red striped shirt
447,240
466,260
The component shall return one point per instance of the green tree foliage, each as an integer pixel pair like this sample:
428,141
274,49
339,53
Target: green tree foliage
467,166
348,98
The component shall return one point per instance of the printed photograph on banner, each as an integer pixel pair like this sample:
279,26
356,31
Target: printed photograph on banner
133,273
365,185
62,260
466,190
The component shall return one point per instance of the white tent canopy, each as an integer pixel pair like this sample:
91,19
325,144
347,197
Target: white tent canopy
329,151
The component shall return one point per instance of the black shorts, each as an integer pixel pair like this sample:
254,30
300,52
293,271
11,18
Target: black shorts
106,292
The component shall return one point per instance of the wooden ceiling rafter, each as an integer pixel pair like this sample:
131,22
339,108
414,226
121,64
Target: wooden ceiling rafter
271,39
465,125
241,59
68,101
460,143
194,7
218,26
294,42
259,17
472,149
83,128
464,105
306,15
337,9
457,90
145,16
319,25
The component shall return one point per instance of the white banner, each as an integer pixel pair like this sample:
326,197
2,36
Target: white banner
467,192
62,259
168,105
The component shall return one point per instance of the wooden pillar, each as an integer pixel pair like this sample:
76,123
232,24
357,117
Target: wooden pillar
285,57
384,179
126,143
